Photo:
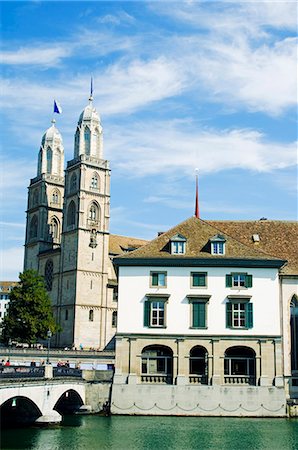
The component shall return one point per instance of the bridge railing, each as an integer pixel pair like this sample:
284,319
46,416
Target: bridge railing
66,372
22,372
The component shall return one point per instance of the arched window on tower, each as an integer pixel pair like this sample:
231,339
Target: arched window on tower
73,182
49,160
56,197
71,214
77,143
33,229
54,229
91,315
87,138
48,274
93,214
294,332
39,162
94,181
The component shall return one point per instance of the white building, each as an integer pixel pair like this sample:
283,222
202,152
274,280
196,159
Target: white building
5,289
200,324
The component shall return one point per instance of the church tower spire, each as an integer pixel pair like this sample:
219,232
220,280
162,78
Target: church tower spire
45,199
88,136
85,237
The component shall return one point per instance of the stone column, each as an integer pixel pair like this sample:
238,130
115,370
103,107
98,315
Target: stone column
278,381
121,361
217,372
133,361
262,375
182,362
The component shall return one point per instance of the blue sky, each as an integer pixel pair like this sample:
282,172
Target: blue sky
178,86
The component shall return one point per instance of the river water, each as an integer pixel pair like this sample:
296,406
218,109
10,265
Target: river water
157,433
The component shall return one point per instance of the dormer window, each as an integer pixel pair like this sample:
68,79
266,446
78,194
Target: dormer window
217,245
178,243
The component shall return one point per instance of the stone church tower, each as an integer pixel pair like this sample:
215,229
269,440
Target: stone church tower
45,199
67,233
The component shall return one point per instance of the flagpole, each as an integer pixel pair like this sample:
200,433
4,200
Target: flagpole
197,212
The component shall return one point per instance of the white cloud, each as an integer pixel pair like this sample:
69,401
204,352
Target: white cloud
42,56
180,147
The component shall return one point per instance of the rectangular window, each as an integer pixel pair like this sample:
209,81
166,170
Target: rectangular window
198,279
198,319
239,280
217,248
239,314
178,248
154,313
158,279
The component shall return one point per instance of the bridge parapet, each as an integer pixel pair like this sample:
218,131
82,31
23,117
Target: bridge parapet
47,371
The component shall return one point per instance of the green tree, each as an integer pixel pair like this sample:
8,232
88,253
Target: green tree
30,314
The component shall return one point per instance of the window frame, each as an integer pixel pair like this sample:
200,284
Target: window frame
158,285
205,274
247,283
180,246
201,303
233,314
148,309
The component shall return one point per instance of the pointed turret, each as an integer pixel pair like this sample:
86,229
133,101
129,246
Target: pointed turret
51,153
88,137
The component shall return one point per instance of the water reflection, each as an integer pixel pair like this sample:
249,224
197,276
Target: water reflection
157,433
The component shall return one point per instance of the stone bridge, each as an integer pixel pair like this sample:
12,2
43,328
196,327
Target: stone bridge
40,401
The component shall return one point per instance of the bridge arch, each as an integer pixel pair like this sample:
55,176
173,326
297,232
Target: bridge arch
19,410
69,402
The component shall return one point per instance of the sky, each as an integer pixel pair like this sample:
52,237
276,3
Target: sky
178,86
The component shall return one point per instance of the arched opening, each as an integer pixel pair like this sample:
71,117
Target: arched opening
69,402
77,143
91,315
18,411
54,229
87,138
71,214
294,334
48,274
55,197
33,229
157,364
49,160
94,181
198,365
240,365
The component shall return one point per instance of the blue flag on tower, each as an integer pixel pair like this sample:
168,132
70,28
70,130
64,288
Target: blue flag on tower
57,107
91,87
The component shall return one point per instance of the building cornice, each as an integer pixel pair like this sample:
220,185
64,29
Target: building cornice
197,262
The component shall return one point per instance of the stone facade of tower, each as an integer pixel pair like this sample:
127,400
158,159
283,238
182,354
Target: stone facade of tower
67,234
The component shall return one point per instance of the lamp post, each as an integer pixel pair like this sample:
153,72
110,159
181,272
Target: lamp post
49,335
9,348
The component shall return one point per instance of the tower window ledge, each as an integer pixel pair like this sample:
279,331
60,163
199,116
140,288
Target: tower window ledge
93,223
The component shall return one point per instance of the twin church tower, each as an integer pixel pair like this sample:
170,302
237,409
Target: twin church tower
67,234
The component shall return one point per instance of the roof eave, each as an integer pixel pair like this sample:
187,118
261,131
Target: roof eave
194,262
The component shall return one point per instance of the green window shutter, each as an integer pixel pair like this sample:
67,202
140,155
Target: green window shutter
147,314
249,315
248,281
229,280
229,322
154,279
199,314
195,314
